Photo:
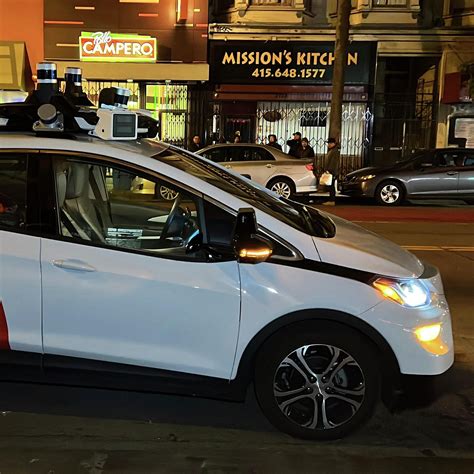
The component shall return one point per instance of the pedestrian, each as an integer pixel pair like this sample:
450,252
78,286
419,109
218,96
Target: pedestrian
272,141
332,165
195,144
295,145
306,150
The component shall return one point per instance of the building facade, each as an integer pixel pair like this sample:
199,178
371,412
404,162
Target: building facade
155,48
271,67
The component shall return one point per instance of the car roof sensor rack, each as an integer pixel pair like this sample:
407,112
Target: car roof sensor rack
48,111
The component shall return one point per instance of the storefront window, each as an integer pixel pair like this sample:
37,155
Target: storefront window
311,119
93,88
168,103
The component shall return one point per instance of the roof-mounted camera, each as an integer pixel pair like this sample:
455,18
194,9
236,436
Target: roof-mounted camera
115,121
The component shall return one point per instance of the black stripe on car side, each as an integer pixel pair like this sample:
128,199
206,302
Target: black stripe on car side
328,269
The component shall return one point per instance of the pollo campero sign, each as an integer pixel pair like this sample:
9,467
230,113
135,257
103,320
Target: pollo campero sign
106,46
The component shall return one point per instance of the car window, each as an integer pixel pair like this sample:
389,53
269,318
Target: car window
446,159
13,178
116,207
217,155
469,160
417,162
220,230
252,154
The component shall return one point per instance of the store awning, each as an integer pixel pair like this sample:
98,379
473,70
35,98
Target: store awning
12,65
138,72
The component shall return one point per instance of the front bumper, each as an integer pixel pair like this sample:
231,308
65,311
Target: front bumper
356,189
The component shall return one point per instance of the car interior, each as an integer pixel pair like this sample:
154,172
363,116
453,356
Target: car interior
97,204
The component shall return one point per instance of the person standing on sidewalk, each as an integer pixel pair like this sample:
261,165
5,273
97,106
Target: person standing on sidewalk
332,165
295,145
195,144
306,150
272,141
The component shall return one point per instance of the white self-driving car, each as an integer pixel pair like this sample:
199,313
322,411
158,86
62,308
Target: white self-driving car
220,286
223,286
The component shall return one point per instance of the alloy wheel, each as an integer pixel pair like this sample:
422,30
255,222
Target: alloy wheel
390,194
319,386
282,189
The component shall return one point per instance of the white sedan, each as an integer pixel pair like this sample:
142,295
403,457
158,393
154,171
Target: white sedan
267,166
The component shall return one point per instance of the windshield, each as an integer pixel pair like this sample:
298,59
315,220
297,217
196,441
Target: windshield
298,216
415,160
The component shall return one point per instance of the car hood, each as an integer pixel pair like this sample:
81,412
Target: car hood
360,249
373,170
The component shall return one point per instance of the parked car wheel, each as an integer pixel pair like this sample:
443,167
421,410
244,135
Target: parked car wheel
282,186
318,381
389,193
168,194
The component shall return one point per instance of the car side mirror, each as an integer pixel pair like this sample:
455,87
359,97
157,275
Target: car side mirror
248,246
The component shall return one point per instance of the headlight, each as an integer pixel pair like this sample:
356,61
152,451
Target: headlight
367,177
410,293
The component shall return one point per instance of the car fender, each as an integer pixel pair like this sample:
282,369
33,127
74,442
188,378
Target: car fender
279,175
292,321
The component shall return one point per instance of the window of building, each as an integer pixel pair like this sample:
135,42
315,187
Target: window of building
13,176
271,2
168,104
390,3
93,88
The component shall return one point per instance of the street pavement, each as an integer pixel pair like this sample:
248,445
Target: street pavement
73,430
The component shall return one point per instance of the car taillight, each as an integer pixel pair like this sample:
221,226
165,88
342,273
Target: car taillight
310,167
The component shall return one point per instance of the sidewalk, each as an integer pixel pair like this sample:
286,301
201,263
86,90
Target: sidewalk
401,214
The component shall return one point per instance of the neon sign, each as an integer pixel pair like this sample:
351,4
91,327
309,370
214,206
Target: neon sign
106,46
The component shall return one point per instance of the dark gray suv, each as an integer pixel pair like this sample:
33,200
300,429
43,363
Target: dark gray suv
440,173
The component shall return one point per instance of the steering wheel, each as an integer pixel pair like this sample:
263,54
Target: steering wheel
170,218
175,211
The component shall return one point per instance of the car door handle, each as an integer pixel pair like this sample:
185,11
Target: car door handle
76,265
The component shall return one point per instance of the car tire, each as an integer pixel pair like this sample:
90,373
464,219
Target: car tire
317,412
390,193
283,187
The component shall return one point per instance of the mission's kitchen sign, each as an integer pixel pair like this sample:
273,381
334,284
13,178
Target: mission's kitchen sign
281,62
106,46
